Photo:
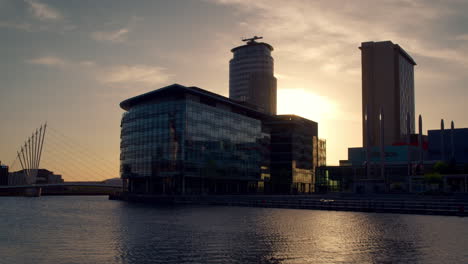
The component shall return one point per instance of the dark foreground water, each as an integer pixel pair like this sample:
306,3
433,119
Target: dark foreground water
95,230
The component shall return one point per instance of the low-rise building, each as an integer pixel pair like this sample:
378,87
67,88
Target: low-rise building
48,177
17,178
42,176
451,147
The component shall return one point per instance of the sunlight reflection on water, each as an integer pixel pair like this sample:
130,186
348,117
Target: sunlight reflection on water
96,230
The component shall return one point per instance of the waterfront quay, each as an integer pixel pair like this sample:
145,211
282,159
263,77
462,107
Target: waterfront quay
401,204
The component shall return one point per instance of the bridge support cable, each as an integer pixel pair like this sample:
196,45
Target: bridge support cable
13,163
30,154
35,150
63,156
89,164
71,170
25,160
54,161
83,156
34,153
42,135
83,150
21,161
78,161
68,164
30,159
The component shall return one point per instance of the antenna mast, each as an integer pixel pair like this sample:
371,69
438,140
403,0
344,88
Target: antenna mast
251,40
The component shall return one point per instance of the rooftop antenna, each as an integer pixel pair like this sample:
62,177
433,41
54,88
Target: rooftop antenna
251,40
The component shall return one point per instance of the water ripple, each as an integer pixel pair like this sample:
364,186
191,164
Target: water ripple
96,230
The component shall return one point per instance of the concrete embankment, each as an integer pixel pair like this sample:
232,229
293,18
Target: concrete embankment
406,204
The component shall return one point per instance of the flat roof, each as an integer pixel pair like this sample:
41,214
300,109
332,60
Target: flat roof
292,118
396,46
448,129
177,88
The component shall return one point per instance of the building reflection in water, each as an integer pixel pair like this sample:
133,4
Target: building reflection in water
95,230
265,235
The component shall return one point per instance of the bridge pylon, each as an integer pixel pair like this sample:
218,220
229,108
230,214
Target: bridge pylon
30,154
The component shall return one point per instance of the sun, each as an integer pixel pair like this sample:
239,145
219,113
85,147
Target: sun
307,104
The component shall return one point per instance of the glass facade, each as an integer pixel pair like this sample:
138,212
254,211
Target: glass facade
188,145
293,156
406,83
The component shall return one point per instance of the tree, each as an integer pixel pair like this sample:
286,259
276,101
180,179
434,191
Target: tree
441,167
433,178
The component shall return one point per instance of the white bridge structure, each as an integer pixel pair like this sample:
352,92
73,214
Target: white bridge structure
82,167
30,154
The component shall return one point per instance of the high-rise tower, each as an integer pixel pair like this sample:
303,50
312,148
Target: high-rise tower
251,78
387,83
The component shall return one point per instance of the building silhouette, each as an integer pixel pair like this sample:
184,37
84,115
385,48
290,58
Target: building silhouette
251,76
186,140
455,150
293,156
3,174
388,84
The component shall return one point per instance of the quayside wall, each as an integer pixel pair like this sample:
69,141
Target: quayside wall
406,204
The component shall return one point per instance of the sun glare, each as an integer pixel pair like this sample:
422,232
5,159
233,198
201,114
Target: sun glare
307,104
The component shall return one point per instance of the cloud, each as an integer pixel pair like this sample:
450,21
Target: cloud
141,74
117,36
18,26
43,11
316,45
462,37
320,30
87,63
51,61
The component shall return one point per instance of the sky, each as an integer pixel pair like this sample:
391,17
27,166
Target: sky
70,63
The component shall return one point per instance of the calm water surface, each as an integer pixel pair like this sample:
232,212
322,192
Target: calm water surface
95,230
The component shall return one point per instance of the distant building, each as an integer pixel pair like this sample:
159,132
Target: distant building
457,152
357,175
251,76
320,146
17,178
113,181
292,153
43,177
47,177
392,155
3,174
179,139
387,83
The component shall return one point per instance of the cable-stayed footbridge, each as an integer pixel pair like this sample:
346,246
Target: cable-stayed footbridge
52,159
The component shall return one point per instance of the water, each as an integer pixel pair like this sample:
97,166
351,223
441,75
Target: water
95,230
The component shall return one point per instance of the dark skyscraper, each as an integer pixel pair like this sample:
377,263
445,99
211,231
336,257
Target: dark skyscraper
387,83
251,78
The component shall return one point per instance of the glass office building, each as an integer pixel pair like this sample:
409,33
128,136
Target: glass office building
185,140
